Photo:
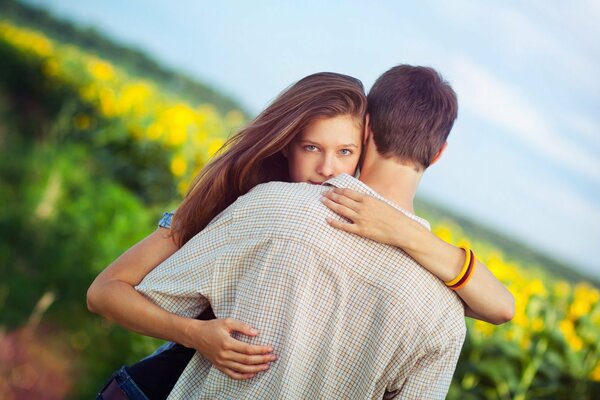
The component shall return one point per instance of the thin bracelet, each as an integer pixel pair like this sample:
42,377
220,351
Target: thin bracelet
468,275
463,271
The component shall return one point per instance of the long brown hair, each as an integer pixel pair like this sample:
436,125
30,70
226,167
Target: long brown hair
253,155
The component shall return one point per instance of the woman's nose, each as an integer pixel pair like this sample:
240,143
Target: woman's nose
327,166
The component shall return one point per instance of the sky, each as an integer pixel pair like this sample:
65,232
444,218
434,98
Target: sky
524,154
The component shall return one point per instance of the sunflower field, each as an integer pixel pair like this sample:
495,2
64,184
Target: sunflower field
92,153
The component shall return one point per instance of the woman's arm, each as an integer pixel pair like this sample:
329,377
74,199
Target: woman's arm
485,297
112,295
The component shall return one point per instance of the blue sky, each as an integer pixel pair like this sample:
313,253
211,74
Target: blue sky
524,155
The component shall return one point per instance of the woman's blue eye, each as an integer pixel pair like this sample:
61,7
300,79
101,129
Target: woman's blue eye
346,152
310,147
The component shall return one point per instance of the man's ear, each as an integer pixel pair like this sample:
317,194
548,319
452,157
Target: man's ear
439,154
367,130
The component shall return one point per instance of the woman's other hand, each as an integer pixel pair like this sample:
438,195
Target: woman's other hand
370,217
234,358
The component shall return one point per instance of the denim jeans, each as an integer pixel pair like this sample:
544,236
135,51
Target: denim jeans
127,385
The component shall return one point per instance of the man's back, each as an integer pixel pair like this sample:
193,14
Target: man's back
348,317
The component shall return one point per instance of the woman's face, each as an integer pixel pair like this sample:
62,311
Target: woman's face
326,148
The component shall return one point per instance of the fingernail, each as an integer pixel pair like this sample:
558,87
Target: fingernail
253,331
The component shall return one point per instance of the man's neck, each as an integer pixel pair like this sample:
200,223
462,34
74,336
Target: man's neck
395,182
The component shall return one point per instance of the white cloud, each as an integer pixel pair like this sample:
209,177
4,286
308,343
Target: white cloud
562,199
526,35
569,226
500,103
583,126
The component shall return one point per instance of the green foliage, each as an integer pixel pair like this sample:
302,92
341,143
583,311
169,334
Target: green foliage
134,60
72,201
61,224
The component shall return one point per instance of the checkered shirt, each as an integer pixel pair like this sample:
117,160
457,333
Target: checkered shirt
349,318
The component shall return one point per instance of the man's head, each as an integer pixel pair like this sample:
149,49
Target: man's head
411,112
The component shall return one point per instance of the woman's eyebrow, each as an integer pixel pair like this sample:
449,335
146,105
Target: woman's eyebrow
319,144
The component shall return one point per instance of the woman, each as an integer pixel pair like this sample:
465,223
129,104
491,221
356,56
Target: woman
310,133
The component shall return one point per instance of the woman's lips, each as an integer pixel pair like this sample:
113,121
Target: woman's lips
315,183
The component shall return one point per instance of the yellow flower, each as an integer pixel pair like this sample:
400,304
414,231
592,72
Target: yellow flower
578,308
566,327
520,317
483,328
178,166
27,39
177,136
595,375
525,342
215,145
180,114
509,335
182,187
443,232
154,132
575,342
536,287
107,102
568,330
51,68
593,295
562,289
495,262
537,325
89,92
100,70
133,96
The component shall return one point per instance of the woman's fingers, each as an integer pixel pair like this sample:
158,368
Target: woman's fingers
245,369
340,197
245,348
251,359
238,326
339,209
236,375
344,226
234,325
349,193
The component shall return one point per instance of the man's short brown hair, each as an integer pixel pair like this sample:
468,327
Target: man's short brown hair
412,110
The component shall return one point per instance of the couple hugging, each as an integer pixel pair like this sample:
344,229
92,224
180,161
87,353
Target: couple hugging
283,276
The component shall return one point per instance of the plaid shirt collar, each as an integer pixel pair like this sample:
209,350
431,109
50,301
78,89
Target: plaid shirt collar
347,181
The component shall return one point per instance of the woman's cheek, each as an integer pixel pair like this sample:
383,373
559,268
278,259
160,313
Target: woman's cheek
351,165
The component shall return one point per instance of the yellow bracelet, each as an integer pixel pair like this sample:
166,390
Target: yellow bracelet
469,276
463,271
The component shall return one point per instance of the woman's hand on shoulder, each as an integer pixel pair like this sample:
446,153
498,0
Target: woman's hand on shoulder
236,359
369,217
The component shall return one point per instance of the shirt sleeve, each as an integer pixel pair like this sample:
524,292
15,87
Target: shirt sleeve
182,283
431,375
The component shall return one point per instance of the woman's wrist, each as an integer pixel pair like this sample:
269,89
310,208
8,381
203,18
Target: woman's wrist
438,257
413,237
186,330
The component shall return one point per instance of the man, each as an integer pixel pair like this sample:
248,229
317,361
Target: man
348,317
